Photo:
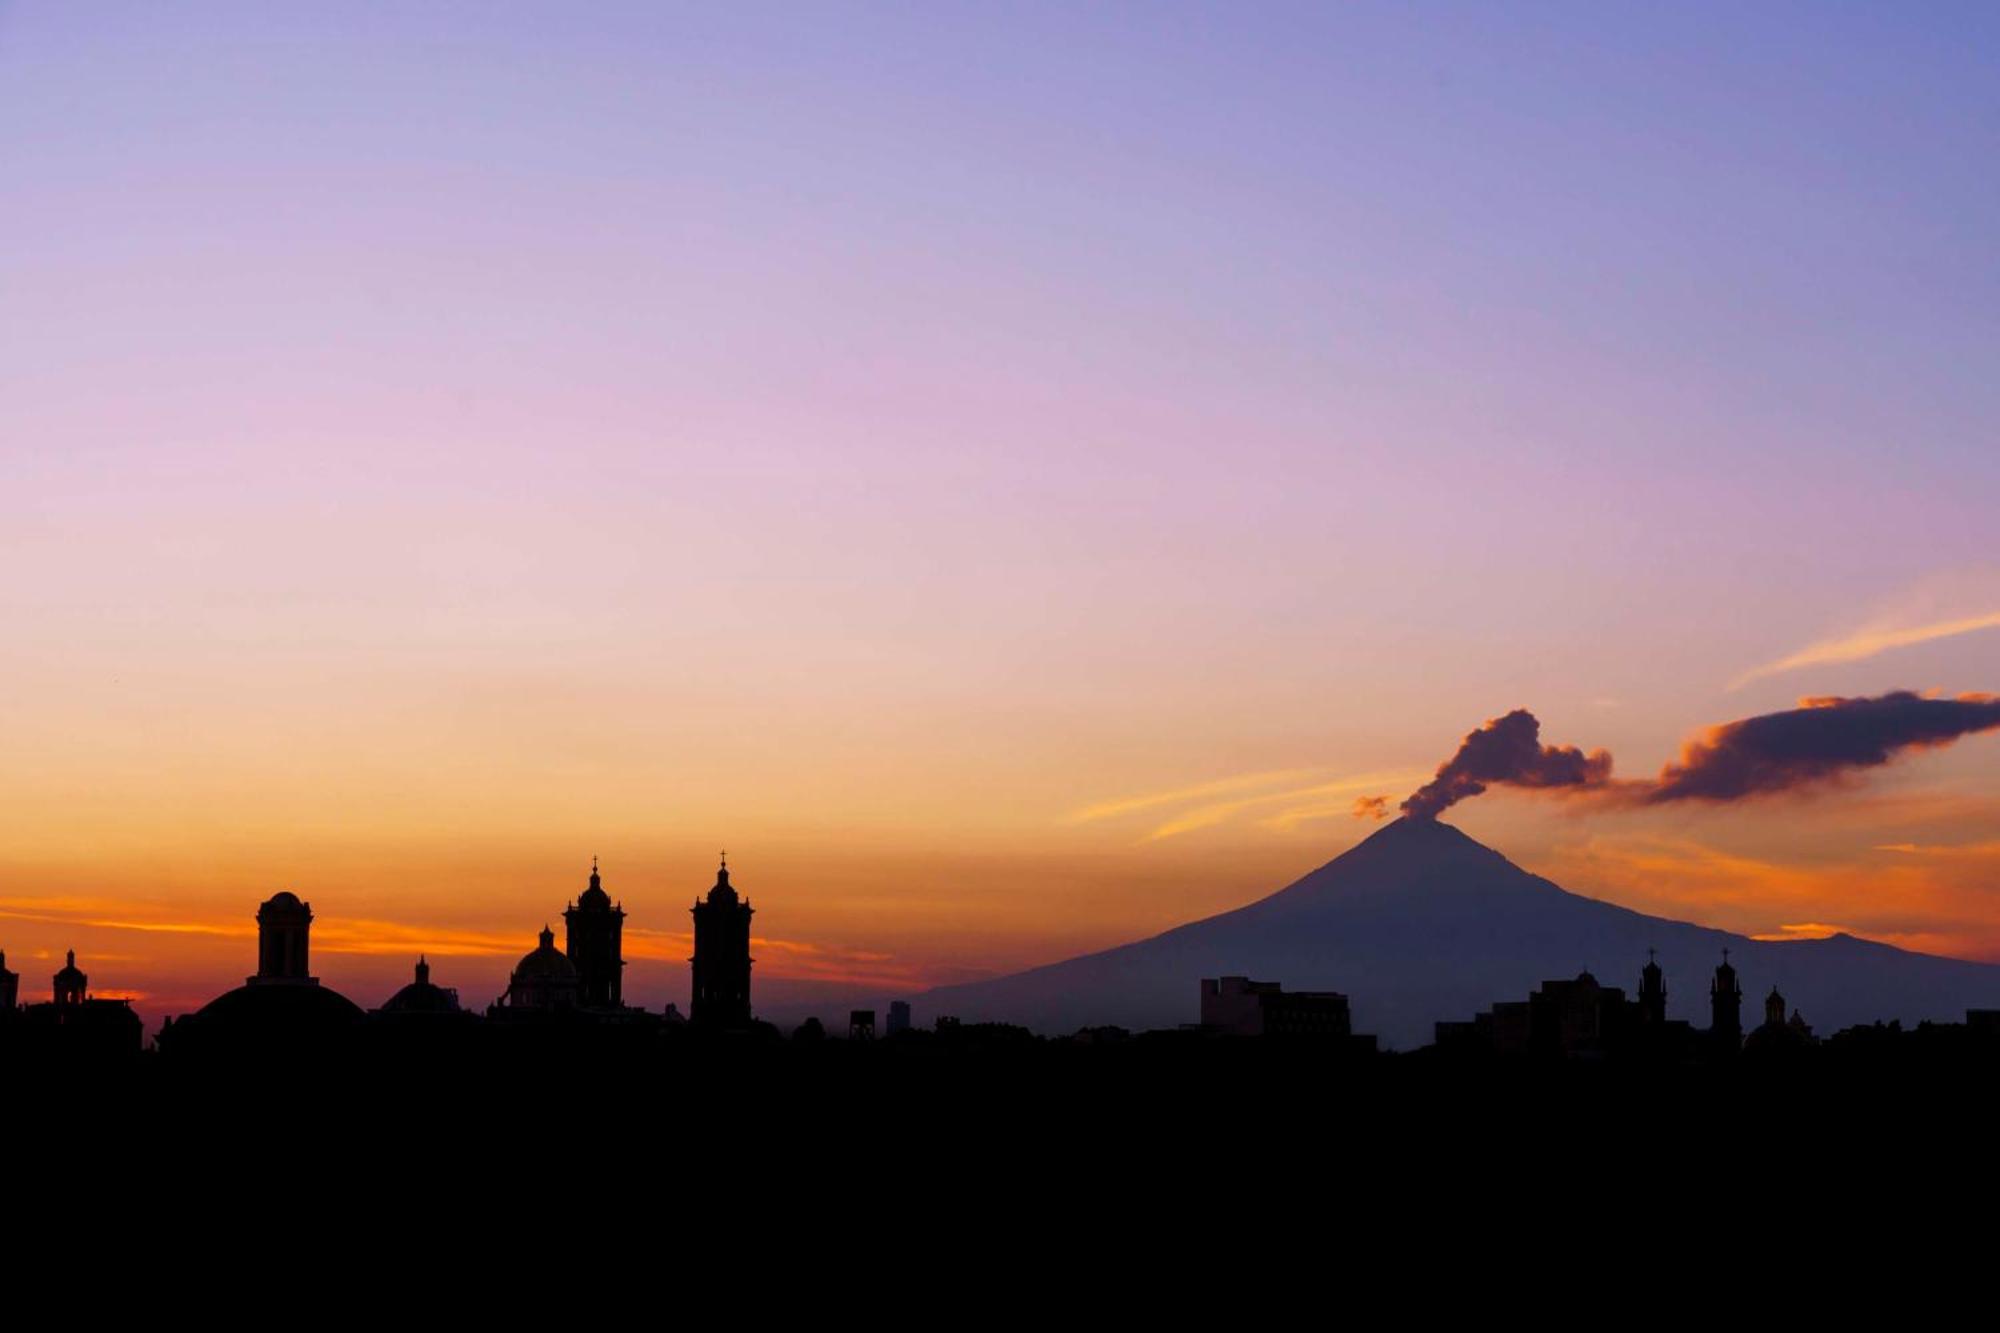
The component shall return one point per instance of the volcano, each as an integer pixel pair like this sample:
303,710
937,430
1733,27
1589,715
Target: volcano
1420,923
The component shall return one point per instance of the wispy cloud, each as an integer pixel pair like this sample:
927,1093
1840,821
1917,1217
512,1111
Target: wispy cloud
1804,930
1867,642
1957,850
365,937
1937,904
1313,797
1132,804
92,912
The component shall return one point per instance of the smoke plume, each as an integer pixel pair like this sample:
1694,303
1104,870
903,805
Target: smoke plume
1371,807
1822,742
1507,750
1816,744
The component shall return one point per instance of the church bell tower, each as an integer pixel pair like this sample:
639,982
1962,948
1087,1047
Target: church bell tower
593,937
721,956
1725,1007
284,938
1652,993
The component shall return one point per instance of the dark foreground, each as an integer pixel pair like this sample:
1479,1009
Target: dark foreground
959,1180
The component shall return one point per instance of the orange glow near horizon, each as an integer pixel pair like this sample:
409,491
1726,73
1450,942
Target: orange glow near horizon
877,916
1021,477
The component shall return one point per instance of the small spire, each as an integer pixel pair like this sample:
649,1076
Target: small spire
72,958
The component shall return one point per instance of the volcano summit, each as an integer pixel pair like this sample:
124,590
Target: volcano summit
1420,923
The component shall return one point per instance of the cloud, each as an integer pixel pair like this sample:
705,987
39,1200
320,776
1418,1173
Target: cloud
1507,751
1823,742
367,937
1866,643
1941,850
1819,743
1936,905
1367,807
1130,804
1804,930
1219,812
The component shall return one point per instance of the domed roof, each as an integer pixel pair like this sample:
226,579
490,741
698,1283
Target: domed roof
724,891
70,972
546,962
421,997
594,898
294,1006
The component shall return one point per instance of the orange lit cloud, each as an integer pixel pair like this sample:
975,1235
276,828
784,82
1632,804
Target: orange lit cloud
1207,816
1868,642
786,958
1938,905
1804,930
1179,795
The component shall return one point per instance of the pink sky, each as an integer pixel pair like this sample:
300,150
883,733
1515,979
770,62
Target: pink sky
440,447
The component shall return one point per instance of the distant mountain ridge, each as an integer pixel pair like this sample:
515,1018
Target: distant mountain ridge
1419,923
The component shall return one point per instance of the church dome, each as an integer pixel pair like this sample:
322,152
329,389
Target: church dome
71,975
594,898
270,1020
421,996
545,962
724,891
307,1005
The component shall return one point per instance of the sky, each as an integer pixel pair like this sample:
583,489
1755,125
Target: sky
1011,475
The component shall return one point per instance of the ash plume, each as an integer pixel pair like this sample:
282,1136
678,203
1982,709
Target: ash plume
1819,743
1822,742
1371,807
1508,750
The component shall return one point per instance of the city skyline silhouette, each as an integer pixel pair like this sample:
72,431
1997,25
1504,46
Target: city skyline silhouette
1373,614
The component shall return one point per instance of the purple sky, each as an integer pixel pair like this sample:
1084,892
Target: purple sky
877,433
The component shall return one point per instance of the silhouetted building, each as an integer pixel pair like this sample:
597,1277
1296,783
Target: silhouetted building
71,985
74,1024
10,987
1778,1034
1725,1008
899,1017
593,934
283,1006
1579,1017
1652,993
421,996
721,956
1240,1007
544,979
284,930
1575,1018
861,1025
